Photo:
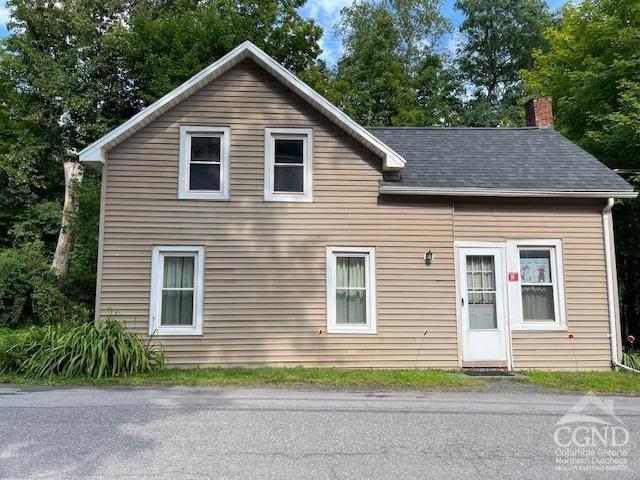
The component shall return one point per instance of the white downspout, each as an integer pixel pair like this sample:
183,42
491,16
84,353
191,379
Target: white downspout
607,230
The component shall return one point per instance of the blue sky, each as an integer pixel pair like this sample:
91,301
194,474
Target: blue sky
326,13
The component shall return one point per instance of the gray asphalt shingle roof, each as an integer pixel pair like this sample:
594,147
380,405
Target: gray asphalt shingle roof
511,158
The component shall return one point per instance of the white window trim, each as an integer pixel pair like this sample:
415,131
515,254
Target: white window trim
157,266
514,288
370,328
270,134
186,132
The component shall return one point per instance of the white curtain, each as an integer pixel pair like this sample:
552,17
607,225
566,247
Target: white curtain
537,303
177,305
351,294
481,292
537,300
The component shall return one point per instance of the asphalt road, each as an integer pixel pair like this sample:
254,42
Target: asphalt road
506,431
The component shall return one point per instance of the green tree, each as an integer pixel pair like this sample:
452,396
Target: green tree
390,73
171,40
592,71
71,70
499,39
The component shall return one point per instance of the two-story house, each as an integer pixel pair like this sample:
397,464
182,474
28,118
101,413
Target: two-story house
246,220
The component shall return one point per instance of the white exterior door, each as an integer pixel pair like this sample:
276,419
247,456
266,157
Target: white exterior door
482,293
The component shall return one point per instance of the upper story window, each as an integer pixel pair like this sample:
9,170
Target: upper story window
288,165
204,163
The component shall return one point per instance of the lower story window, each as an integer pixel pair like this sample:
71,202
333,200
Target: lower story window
536,298
351,305
537,285
177,280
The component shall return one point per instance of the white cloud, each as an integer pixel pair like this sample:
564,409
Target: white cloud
327,13
5,15
452,43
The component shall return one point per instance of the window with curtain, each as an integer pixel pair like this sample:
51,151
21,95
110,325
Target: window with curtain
288,164
537,285
351,290
204,163
177,284
177,290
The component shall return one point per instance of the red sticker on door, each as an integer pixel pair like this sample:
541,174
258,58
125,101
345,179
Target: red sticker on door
513,276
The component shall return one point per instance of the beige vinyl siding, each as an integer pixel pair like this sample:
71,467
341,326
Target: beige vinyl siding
265,295
579,225
265,290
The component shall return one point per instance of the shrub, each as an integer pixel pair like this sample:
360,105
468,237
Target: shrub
631,359
14,344
29,292
84,350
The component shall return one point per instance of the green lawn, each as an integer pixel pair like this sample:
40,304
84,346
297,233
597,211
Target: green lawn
598,382
284,377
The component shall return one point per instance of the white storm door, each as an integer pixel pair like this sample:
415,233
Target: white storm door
482,290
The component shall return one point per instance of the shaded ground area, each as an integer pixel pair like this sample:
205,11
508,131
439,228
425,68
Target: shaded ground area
504,430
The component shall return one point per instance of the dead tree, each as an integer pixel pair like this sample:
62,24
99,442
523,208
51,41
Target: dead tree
60,264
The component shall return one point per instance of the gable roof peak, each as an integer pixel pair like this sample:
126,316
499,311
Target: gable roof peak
95,153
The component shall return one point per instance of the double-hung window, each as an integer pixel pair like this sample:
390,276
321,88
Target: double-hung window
204,163
351,290
537,298
288,165
177,281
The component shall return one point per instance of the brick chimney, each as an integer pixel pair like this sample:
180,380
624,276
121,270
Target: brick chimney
538,112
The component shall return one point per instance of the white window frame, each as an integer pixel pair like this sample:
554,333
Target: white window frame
270,136
188,131
369,253
157,274
515,288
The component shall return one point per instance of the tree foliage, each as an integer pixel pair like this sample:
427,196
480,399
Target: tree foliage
171,40
71,70
390,73
499,39
592,71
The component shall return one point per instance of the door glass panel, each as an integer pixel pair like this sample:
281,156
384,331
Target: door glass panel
481,292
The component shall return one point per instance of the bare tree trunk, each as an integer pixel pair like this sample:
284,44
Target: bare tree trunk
60,264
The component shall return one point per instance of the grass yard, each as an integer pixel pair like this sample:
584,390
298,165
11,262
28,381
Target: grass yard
598,382
271,376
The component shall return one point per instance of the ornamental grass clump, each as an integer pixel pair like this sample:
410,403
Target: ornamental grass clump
630,356
84,350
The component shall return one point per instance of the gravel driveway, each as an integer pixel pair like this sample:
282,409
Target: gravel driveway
504,431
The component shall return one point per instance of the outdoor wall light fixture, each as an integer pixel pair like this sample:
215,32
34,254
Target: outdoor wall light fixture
428,257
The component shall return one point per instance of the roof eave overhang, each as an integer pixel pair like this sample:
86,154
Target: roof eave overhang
500,192
95,154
